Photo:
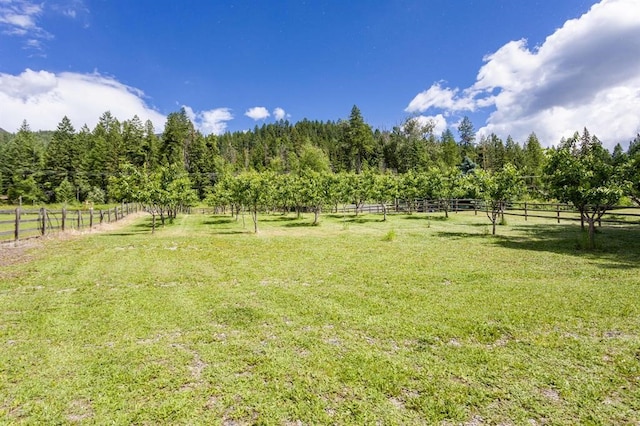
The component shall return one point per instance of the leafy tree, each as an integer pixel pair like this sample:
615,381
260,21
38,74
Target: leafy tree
315,191
357,189
314,158
255,191
585,178
444,187
631,173
384,191
95,195
25,189
410,188
497,189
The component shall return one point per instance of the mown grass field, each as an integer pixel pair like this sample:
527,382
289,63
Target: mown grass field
414,321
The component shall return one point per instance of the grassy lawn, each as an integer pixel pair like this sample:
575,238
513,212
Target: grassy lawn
414,321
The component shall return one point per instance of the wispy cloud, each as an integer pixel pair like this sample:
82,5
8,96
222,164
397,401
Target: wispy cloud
257,113
22,18
585,74
43,98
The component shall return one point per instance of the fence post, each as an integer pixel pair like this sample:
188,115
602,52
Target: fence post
43,221
525,211
64,219
558,212
79,218
90,218
16,233
108,215
475,207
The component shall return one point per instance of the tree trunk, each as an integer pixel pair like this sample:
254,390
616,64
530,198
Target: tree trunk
592,232
384,212
254,216
153,222
316,215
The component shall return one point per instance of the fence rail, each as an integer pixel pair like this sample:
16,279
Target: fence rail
552,211
21,224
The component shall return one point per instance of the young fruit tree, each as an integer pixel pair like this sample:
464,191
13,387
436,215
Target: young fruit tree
385,191
585,178
256,192
497,189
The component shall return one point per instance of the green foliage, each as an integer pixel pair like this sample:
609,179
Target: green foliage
581,173
25,189
65,192
467,135
96,196
497,189
314,159
358,139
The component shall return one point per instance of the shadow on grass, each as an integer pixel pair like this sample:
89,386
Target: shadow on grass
300,225
418,216
362,219
283,219
219,221
616,247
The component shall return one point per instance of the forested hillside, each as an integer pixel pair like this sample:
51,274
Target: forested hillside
70,164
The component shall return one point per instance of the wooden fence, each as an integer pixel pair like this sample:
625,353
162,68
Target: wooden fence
553,211
21,224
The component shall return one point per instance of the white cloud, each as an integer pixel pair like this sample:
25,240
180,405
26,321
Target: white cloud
442,98
586,74
21,18
280,114
257,113
210,121
43,98
438,122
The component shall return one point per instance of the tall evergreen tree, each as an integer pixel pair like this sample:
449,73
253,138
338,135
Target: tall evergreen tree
176,139
61,155
359,138
467,135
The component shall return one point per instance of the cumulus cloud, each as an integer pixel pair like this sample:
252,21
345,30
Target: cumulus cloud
442,98
257,113
585,74
210,121
43,98
280,114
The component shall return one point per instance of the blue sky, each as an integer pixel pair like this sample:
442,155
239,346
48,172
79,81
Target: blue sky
512,66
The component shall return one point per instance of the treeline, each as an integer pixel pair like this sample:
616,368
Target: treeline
67,165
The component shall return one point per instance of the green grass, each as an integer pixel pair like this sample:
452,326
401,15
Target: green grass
207,323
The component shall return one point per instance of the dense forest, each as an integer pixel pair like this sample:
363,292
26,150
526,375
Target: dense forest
70,165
